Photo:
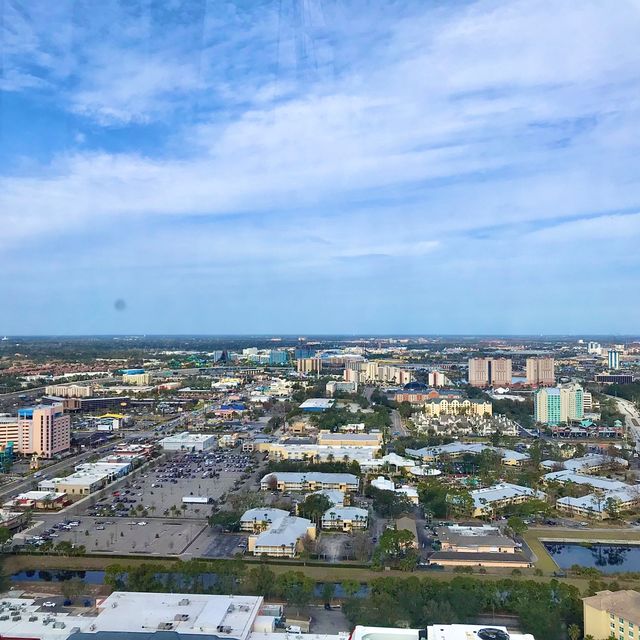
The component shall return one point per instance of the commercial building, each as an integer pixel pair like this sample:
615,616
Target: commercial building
136,379
541,371
332,387
485,372
614,378
489,500
9,431
38,501
612,614
69,390
188,441
613,359
329,439
44,431
437,379
443,406
554,405
278,357
309,482
439,632
87,478
345,518
317,405
482,546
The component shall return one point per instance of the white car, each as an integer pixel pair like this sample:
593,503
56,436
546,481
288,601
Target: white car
48,604
142,523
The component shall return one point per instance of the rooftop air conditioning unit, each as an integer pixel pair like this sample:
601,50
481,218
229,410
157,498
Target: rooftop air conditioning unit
184,602
33,618
181,617
231,607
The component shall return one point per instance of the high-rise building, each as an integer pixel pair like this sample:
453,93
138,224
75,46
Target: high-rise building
484,372
613,359
278,357
44,430
541,371
554,405
309,365
593,348
438,379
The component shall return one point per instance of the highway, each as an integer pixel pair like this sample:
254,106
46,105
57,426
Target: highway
632,418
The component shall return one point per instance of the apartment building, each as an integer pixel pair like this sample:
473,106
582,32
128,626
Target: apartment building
612,614
9,431
490,499
485,372
345,519
308,482
44,431
69,390
541,372
613,359
308,365
329,439
445,407
136,379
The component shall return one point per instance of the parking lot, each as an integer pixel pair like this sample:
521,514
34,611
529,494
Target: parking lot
145,513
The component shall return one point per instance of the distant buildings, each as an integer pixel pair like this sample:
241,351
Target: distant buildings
554,405
334,387
136,379
361,371
614,378
44,431
613,359
485,372
612,614
541,372
438,379
443,406
317,405
69,390
309,365
593,348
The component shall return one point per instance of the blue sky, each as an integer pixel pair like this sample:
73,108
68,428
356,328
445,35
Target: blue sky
319,166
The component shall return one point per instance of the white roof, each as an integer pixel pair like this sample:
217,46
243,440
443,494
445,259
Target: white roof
467,632
383,484
187,436
501,491
578,478
286,531
314,476
263,515
345,513
335,496
145,611
318,403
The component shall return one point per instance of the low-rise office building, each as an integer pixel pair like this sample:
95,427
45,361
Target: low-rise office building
329,439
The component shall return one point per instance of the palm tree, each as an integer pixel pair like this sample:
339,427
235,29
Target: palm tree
574,632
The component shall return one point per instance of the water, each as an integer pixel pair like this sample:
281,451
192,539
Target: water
58,575
608,558
208,580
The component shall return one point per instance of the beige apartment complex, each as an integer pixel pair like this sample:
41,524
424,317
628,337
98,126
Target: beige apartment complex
69,390
486,372
45,431
612,614
137,379
9,431
541,371
444,407
308,365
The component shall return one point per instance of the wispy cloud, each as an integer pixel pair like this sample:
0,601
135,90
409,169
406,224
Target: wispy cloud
472,135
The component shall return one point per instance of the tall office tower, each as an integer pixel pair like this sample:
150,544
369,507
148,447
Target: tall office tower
559,404
44,431
614,359
479,372
541,371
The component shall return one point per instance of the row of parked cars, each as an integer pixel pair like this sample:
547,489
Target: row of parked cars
50,534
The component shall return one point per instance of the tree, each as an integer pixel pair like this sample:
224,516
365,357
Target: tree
350,587
328,590
517,525
314,506
5,536
395,543
262,580
574,632
72,588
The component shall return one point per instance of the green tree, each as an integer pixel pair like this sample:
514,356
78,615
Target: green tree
314,506
72,588
517,525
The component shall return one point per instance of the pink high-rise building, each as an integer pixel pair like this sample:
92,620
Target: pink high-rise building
45,431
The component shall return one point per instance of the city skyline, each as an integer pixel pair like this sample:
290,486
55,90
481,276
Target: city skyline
191,167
